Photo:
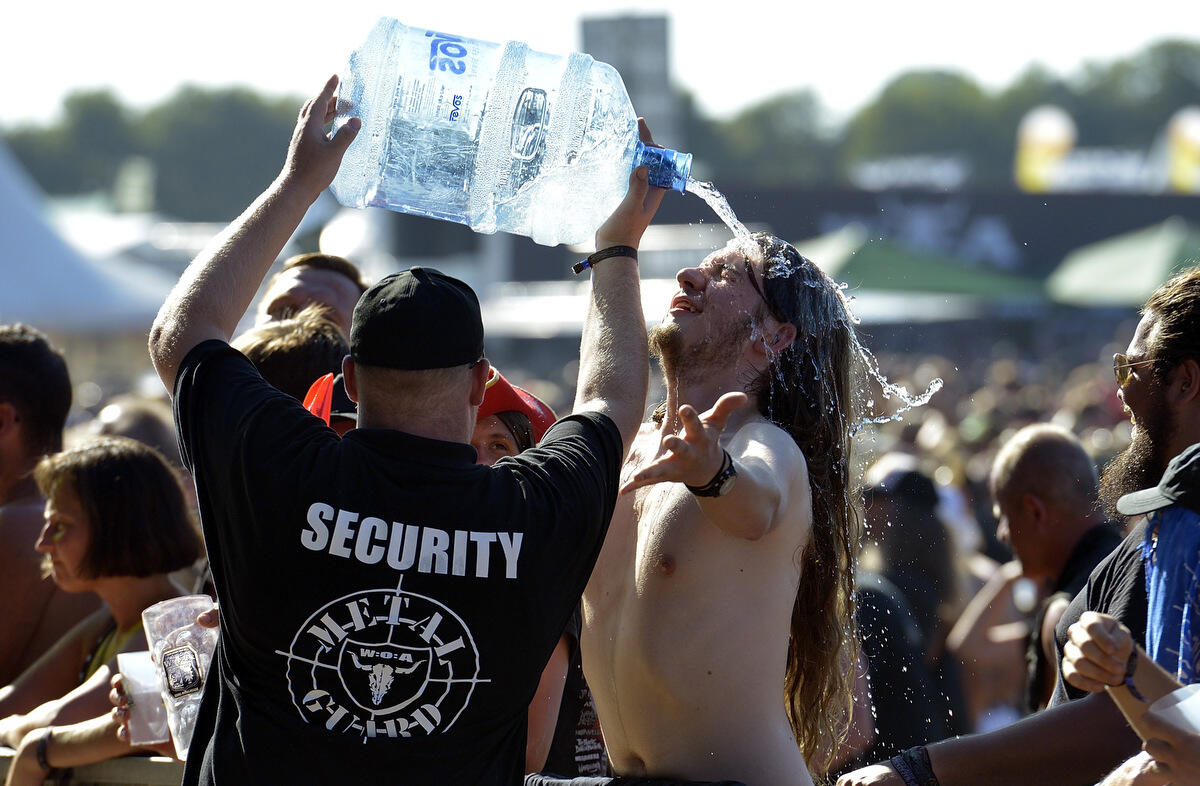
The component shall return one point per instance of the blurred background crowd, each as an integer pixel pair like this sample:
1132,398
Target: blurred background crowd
998,240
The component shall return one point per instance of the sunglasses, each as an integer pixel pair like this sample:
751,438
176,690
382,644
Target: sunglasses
1123,368
754,283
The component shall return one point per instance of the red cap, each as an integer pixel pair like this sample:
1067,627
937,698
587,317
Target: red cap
503,396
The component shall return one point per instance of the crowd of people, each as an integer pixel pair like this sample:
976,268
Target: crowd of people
422,572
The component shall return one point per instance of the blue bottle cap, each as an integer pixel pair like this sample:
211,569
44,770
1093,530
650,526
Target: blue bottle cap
668,168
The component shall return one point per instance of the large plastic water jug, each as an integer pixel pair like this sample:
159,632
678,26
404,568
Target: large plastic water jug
494,136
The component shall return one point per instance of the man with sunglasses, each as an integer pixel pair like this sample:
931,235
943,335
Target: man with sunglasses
1146,583
717,622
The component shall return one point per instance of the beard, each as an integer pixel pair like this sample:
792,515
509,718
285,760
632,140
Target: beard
683,363
1141,464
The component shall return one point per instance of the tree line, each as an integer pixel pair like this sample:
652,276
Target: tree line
212,149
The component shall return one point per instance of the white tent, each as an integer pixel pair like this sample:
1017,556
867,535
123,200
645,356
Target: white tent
46,283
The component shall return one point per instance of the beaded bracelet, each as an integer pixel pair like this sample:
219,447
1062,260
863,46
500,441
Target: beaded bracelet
1130,668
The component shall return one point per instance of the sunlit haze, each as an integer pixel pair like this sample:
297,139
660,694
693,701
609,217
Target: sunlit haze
728,59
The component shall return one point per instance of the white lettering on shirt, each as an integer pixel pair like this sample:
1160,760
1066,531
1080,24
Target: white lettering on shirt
368,547
315,539
433,551
342,532
372,540
511,543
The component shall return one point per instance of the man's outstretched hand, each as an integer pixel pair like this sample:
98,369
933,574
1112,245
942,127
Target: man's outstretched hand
313,156
694,455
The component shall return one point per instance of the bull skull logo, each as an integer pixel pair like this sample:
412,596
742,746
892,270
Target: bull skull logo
395,675
380,676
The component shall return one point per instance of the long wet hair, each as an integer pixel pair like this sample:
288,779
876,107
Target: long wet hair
808,391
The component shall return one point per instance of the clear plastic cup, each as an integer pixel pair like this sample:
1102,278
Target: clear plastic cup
182,650
1180,707
147,715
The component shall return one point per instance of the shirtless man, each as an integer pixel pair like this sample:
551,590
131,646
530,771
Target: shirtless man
716,619
35,396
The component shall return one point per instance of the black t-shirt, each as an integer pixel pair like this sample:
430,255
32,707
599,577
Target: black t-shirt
1117,587
577,747
1095,544
387,606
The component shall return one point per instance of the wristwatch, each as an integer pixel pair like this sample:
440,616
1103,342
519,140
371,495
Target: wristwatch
721,483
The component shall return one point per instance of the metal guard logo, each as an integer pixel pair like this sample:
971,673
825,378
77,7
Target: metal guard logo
383,663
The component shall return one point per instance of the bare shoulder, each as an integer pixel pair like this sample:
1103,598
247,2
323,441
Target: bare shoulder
776,470
762,442
91,627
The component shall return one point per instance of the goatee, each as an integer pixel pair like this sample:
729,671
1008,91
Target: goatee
684,363
1141,464
666,343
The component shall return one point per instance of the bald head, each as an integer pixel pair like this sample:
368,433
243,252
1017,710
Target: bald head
1044,487
1048,461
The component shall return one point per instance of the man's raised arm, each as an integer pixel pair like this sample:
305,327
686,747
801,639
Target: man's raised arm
217,287
614,362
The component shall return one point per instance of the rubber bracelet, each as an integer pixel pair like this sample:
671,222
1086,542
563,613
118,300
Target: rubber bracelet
903,770
42,744
914,768
611,251
708,488
1130,668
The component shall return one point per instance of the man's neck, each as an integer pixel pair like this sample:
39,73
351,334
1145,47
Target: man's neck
701,390
441,428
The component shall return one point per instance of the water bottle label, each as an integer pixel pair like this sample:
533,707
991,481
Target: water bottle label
437,81
429,102
447,52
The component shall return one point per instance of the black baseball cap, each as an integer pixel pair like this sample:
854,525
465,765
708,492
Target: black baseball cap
1180,484
417,319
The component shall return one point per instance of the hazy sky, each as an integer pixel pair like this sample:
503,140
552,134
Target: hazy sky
729,55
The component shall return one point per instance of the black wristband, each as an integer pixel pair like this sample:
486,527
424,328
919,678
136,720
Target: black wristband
716,487
43,743
611,251
914,768
902,769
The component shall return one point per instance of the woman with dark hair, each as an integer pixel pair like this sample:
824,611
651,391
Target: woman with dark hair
116,524
510,420
564,733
